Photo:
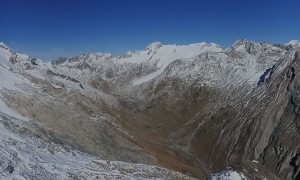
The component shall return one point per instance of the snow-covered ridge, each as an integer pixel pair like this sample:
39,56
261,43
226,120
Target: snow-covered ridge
247,61
294,43
4,46
169,53
5,54
140,65
244,60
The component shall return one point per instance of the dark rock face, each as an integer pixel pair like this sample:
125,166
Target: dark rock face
264,126
51,73
284,144
10,169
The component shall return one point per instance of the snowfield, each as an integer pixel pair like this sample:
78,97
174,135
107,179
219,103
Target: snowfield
228,174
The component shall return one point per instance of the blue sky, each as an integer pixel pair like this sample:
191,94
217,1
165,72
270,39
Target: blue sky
48,29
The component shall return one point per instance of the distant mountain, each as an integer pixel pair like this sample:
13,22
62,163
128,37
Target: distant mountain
294,43
196,109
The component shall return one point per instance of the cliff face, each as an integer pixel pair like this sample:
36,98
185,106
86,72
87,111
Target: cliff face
263,125
282,151
196,109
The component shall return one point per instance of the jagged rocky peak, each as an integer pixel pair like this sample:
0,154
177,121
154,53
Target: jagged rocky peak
84,58
250,47
5,47
97,55
243,48
60,60
8,53
94,57
2,45
154,46
151,48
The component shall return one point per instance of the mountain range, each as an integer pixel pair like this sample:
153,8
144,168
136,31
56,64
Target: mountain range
164,112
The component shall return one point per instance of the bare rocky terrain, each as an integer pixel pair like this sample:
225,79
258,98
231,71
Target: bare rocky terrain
165,112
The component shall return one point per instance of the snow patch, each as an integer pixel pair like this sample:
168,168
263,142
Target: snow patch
10,81
228,174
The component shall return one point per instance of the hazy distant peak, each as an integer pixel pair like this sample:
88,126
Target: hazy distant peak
294,43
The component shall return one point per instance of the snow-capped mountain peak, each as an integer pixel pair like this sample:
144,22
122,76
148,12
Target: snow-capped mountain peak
154,46
294,43
241,41
243,44
5,47
2,44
